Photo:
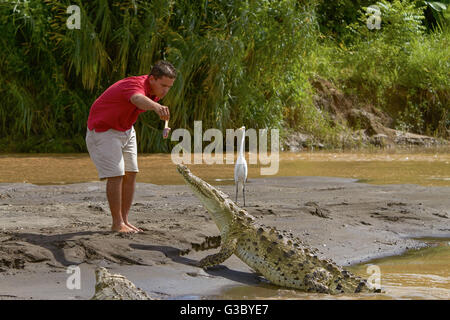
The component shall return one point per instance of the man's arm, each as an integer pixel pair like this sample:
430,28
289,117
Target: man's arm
145,103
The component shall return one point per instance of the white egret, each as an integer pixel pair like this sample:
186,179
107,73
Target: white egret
240,169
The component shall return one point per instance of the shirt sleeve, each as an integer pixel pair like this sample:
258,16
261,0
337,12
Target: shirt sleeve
131,88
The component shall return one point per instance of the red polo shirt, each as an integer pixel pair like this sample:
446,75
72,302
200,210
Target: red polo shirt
113,109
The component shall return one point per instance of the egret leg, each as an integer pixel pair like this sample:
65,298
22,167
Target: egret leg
243,192
237,189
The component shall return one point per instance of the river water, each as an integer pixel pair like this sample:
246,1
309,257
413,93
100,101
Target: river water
423,167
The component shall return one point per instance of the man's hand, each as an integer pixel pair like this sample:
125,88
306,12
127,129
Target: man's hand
162,111
145,103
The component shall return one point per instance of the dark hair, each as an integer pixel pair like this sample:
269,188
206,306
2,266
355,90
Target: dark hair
163,69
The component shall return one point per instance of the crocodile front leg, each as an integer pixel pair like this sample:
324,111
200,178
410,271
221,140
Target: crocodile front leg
226,250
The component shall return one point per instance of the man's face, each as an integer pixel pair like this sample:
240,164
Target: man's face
161,86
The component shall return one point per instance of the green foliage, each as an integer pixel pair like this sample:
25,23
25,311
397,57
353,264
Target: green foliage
379,63
239,62
34,94
300,113
335,16
411,118
437,14
231,56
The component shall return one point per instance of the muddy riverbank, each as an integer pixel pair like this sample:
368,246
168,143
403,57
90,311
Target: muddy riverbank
45,229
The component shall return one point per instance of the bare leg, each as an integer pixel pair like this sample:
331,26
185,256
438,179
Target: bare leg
128,184
114,195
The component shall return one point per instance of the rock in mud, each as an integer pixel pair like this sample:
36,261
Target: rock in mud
116,287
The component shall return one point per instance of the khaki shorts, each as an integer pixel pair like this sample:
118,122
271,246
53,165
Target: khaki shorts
113,152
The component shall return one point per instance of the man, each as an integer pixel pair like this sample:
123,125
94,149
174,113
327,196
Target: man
111,139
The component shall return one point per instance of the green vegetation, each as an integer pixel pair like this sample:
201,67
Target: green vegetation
240,63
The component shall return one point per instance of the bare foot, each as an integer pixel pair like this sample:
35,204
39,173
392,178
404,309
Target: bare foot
133,227
123,228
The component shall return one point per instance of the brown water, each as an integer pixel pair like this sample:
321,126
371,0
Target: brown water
423,167
418,274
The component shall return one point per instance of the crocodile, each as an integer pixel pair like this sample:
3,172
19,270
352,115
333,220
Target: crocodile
278,256
116,287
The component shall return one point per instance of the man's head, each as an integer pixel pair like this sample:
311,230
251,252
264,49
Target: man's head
161,78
